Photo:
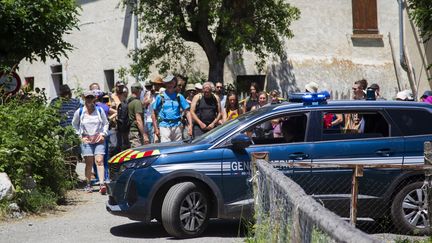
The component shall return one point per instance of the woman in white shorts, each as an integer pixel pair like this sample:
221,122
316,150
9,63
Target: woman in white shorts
91,125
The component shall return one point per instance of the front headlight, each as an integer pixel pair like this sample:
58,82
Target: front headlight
138,163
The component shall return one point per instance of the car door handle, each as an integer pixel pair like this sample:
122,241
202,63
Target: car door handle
383,152
298,156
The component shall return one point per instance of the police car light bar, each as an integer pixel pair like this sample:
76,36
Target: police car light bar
310,98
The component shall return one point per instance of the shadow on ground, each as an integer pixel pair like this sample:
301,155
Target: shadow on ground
216,228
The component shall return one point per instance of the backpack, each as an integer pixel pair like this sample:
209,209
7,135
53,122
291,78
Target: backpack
123,121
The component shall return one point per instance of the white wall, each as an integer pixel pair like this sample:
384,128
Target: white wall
321,51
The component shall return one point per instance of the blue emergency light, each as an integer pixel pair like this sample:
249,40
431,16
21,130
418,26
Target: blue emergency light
310,98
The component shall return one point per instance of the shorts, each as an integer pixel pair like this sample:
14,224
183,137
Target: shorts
92,149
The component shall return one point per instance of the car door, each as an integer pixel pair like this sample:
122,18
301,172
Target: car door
368,141
283,147
416,126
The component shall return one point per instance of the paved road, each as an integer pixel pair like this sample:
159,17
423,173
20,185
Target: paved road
85,219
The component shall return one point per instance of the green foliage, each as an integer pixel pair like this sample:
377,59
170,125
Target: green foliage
218,26
420,11
36,201
32,146
30,29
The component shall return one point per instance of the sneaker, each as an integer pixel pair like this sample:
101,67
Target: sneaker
103,189
88,188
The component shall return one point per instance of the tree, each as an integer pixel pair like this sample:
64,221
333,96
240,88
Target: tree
421,13
30,29
219,27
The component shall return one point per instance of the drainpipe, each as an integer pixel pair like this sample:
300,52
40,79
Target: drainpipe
401,37
136,34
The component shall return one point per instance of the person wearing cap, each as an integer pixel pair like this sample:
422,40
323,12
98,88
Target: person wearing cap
311,87
91,125
116,98
425,95
137,134
167,109
205,110
190,92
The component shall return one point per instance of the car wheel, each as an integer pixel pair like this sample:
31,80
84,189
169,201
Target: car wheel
409,210
185,210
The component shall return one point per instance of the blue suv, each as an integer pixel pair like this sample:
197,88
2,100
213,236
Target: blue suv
183,184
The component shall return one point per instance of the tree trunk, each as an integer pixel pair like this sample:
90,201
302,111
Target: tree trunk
216,70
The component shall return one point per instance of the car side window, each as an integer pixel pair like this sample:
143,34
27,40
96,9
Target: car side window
281,129
353,125
412,121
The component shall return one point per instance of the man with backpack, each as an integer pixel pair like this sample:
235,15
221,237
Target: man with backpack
167,112
135,125
205,110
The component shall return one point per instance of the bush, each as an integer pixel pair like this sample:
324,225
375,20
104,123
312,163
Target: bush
32,147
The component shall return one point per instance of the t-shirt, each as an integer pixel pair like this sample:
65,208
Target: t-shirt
134,107
170,113
67,109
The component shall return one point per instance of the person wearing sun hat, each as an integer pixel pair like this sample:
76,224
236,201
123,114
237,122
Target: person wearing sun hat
311,87
167,109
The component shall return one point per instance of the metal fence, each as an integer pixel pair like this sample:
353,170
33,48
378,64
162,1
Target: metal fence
286,212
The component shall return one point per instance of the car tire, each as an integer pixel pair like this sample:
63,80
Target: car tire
409,210
185,210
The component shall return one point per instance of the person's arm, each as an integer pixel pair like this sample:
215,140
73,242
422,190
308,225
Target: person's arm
112,113
219,115
244,106
193,113
76,122
154,116
105,124
224,115
140,124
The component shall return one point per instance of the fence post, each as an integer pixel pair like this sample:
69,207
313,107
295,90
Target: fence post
357,172
428,178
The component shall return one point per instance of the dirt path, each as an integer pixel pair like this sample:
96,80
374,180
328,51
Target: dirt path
84,219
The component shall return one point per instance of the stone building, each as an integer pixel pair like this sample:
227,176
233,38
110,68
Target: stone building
336,42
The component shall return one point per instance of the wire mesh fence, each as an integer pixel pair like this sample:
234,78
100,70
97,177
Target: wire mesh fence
377,199
285,213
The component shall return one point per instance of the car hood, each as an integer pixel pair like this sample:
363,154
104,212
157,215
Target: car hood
156,149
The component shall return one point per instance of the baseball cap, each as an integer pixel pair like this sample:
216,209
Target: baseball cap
427,93
168,78
89,93
120,83
198,86
136,85
311,87
98,93
190,87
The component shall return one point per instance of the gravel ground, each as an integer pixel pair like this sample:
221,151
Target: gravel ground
84,218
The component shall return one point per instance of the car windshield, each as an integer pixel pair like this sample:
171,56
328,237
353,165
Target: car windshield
229,126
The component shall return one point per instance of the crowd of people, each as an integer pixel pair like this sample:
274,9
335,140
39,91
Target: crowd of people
164,110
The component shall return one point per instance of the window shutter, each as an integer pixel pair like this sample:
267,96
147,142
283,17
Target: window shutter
365,17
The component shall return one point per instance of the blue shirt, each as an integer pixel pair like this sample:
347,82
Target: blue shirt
170,114
67,109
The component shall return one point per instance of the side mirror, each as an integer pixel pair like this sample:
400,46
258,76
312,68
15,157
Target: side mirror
241,141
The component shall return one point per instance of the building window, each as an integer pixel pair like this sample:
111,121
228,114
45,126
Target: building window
57,77
365,17
29,82
109,79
